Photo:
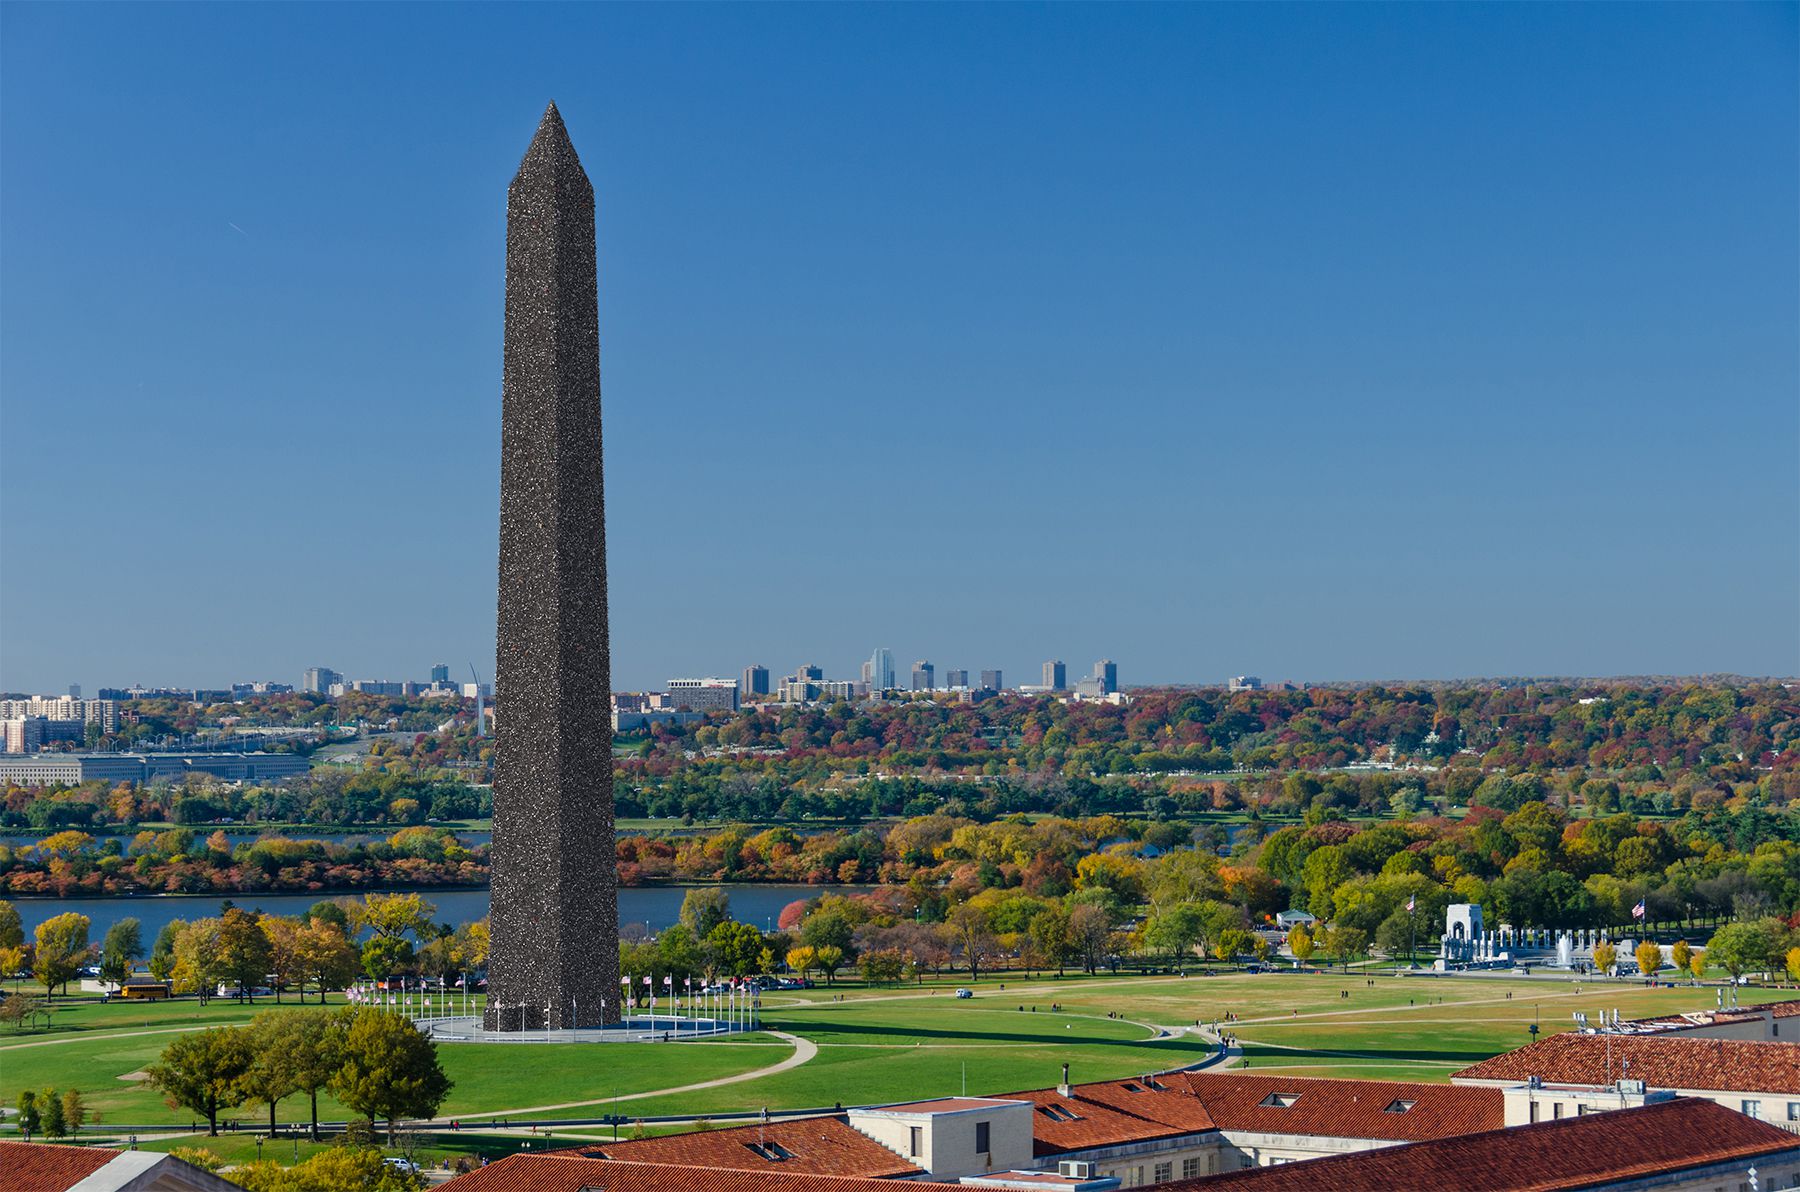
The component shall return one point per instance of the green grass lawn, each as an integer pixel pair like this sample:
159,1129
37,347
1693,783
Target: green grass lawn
890,1044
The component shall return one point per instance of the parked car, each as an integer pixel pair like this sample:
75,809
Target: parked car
403,1164
965,993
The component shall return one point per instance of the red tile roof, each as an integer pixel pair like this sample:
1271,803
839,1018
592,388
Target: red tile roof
1391,1110
818,1146
39,1167
1661,1061
566,1173
1582,1152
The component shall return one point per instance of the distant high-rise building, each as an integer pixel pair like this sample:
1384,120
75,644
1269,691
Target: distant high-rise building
74,691
756,680
924,676
881,670
810,673
1107,671
318,680
1056,675
704,695
990,680
956,678
868,670
440,673
1246,683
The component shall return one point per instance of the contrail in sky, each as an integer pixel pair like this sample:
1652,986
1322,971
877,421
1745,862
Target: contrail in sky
237,229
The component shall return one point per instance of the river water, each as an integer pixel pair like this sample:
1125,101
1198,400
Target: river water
655,907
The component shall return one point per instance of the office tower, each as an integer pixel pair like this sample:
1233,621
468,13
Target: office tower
1056,675
990,680
756,680
868,669
74,691
440,673
881,670
704,695
809,673
319,680
553,957
1246,683
956,678
1107,671
923,676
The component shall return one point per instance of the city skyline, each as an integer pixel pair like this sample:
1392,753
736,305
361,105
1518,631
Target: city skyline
1340,344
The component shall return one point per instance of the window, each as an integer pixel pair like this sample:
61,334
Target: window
1190,1168
981,1138
915,1141
1534,1111
1279,1100
1556,1110
1163,1172
1751,1108
1794,1111
1400,1106
774,1152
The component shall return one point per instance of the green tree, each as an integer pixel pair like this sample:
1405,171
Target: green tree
390,1070
122,949
1754,947
970,932
74,1111
199,965
1050,935
62,948
828,927
30,1121
162,953
735,948
270,1076
244,952
204,1072
12,928
385,955
830,959
1174,932
704,908
344,1167
314,1042
50,1108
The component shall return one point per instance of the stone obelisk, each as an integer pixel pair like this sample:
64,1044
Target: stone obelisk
554,958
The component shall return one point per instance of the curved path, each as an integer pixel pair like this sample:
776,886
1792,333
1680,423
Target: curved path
804,1050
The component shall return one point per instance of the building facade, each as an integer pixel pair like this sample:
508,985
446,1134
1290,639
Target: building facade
1056,675
755,681
704,695
991,681
319,680
924,676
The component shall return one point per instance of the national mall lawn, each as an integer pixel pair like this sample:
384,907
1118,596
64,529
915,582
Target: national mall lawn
881,1044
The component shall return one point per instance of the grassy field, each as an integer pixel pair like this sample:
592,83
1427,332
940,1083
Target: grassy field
878,1045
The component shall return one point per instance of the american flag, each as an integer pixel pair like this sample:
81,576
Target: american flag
1637,912
1411,903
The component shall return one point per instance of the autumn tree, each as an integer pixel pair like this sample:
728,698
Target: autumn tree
1680,955
1050,936
1649,957
1090,930
1300,942
198,959
970,933
62,948
1605,956
244,952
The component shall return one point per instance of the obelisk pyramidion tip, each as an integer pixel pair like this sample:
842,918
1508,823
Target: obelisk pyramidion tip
551,146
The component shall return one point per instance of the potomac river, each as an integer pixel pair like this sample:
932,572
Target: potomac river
653,906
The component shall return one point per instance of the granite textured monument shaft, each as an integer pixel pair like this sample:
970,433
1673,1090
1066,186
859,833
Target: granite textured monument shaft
553,959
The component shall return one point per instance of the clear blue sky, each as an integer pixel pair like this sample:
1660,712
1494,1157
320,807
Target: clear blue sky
1316,342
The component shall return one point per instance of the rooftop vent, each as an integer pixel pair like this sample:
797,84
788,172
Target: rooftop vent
774,1152
1279,1100
1399,1106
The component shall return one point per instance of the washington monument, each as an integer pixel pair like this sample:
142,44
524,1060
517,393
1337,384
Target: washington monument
554,957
